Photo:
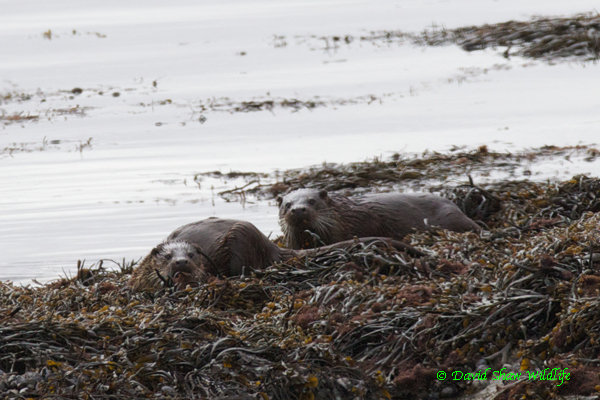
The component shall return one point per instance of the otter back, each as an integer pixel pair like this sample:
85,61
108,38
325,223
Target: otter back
230,245
403,212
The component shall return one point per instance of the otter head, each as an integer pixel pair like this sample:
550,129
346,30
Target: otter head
301,210
179,263
301,207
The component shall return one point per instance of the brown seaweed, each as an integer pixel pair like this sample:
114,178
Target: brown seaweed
362,322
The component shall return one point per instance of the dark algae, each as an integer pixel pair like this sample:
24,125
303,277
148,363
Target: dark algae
543,37
519,297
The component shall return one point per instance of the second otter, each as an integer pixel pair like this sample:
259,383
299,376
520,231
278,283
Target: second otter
334,218
222,247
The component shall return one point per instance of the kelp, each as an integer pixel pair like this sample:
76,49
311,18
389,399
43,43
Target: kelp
363,322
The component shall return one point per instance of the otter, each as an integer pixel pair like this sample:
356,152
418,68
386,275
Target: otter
223,247
334,218
177,262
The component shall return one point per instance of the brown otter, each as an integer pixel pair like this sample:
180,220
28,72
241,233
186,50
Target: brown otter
177,261
333,217
222,247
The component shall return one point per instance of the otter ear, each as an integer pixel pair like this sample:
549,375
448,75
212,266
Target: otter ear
323,194
156,250
279,200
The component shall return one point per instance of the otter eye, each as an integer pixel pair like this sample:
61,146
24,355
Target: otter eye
312,202
168,257
190,255
288,205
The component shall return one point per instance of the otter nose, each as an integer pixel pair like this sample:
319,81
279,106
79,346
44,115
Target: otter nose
180,265
298,210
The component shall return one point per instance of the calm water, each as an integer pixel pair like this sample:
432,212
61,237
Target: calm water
67,197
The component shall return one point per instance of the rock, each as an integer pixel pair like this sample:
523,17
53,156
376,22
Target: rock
448,391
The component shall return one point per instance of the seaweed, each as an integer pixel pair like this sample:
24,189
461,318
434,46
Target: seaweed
363,322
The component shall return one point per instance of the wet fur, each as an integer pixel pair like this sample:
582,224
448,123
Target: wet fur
232,248
335,218
230,244
331,223
146,278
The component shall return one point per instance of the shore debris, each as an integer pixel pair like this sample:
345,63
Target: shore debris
542,37
548,38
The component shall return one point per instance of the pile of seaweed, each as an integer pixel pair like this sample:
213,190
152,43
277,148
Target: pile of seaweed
451,174
547,38
366,322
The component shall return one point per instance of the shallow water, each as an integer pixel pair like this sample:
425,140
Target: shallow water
66,197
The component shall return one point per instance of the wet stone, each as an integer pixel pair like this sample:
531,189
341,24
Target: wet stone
168,390
448,391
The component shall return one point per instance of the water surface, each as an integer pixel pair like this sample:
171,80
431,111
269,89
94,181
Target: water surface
108,173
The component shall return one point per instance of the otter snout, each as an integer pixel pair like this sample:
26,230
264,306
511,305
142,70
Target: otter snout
300,214
181,272
298,211
181,263
179,266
